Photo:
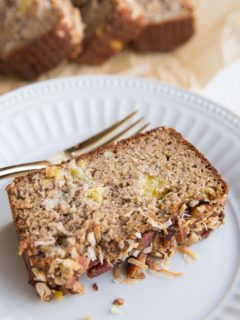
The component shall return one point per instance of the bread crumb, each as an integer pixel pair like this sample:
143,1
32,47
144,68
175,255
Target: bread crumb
188,255
95,287
118,302
166,273
114,310
87,317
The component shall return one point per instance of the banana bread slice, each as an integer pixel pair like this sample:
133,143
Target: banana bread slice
110,24
147,194
168,24
36,35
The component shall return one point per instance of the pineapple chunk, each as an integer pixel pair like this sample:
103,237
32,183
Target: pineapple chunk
74,172
23,4
96,194
53,172
58,295
152,187
81,164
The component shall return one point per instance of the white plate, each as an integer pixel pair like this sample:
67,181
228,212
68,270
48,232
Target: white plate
38,120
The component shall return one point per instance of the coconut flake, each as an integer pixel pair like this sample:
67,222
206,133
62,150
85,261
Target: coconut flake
100,255
166,273
138,263
193,203
188,254
91,254
50,204
138,235
46,242
91,239
114,310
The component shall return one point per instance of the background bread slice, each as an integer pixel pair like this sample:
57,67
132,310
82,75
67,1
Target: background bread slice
149,193
38,35
168,24
110,25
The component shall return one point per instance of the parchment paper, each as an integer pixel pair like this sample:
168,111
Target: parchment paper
216,43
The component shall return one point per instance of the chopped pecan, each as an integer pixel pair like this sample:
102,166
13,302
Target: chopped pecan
135,272
44,292
93,264
146,240
149,262
95,287
98,269
110,247
182,235
205,233
118,302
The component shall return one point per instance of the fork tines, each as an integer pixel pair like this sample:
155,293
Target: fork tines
126,127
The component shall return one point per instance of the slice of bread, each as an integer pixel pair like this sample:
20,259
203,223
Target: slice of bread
110,24
168,24
38,35
154,191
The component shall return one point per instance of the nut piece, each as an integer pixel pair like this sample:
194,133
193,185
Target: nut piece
78,288
193,203
134,272
95,287
87,317
118,302
116,45
38,275
43,291
135,267
97,232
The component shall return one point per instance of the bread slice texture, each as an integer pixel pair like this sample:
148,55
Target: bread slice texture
168,24
110,24
36,35
154,191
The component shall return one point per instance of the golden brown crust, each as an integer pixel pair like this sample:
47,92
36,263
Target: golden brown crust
42,54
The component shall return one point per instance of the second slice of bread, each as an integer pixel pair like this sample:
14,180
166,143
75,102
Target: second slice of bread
110,25
36,35
168,24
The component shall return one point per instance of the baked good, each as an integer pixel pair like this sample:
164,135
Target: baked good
36,35
110,24
79,3
147,194
168,24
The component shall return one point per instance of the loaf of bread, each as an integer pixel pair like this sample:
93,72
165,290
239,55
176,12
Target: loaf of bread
37,35
153,190
168,24
110,24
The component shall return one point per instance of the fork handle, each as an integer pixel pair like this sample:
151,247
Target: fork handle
19,169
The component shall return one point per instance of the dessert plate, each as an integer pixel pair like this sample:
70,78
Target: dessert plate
41,119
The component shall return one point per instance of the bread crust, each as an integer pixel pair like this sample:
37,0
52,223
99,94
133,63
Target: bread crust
42,54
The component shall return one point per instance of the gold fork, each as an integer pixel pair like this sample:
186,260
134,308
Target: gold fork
120,129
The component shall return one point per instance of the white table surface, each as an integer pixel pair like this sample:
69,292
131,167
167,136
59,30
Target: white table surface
224,88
